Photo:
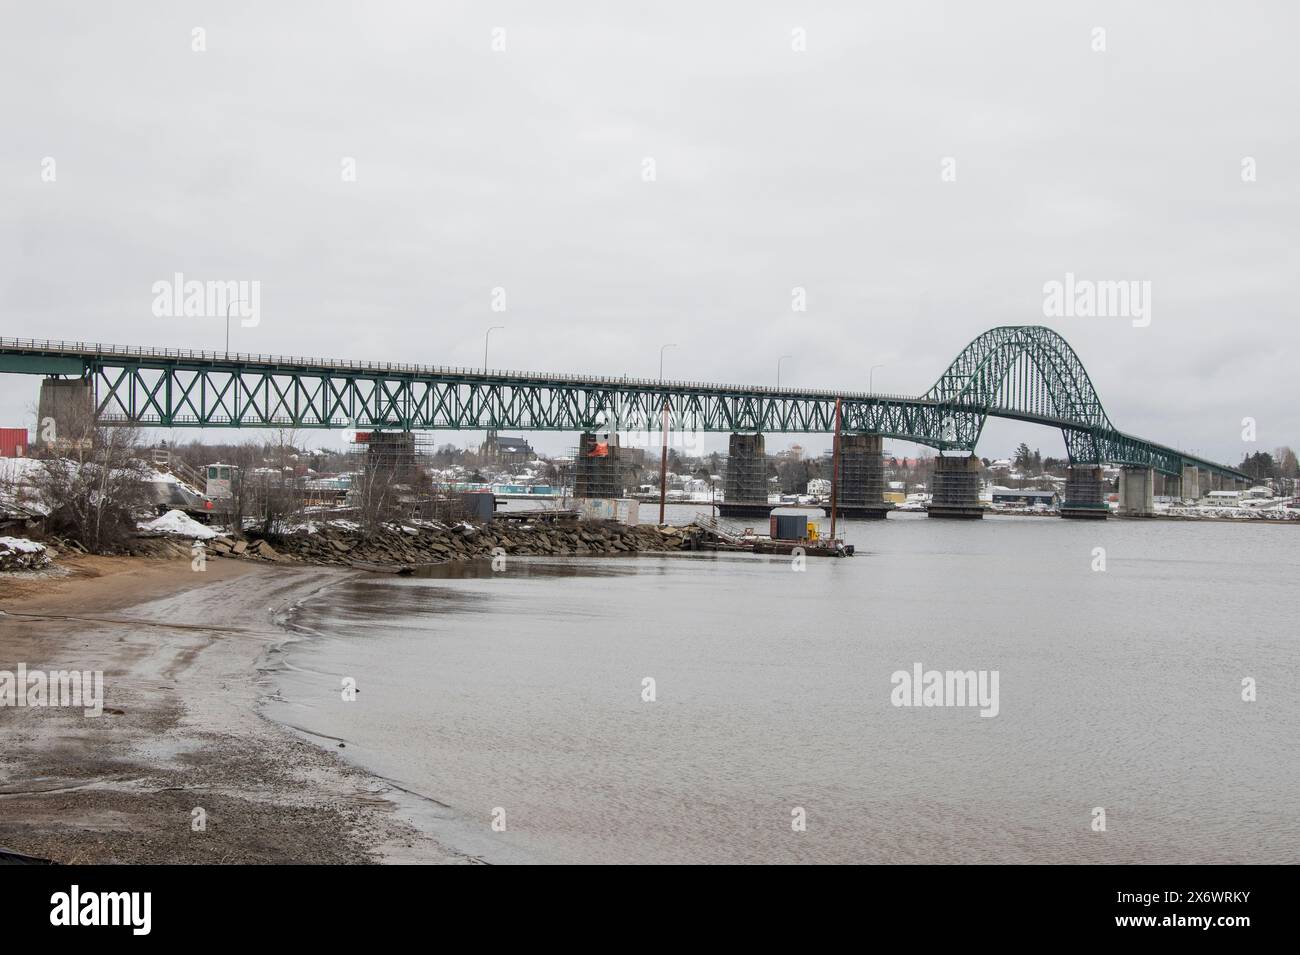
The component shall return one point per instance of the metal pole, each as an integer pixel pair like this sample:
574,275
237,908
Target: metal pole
778,369
663,466
230,305
835,467
661,358
871,375
490,436
486,336
663,457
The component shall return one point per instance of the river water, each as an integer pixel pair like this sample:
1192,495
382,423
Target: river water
518,696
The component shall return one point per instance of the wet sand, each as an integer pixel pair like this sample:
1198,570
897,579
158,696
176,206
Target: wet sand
185,657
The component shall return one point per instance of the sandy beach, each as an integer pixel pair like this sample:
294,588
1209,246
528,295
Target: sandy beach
186,657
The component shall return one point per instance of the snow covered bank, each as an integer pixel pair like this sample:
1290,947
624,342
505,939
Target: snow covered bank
19,553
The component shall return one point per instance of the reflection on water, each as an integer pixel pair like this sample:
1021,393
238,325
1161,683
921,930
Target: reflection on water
522,689
535,567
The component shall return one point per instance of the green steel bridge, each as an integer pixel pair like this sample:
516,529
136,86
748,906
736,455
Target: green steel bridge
1027,373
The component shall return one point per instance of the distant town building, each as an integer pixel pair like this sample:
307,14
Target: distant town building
1223,498
503,450
1026,496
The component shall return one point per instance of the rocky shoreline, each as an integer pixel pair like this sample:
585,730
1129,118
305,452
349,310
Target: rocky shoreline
408,546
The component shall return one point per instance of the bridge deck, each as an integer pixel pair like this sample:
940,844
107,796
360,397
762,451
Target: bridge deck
95,352
167,387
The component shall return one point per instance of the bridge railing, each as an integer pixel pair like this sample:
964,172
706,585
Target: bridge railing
100,350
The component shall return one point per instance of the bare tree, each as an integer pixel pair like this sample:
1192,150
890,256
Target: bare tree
375,496
1288,467
93,483
244,459
263,488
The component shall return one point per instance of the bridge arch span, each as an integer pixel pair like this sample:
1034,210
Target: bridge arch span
1027,372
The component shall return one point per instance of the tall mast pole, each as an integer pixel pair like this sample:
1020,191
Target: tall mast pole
663,466
835,467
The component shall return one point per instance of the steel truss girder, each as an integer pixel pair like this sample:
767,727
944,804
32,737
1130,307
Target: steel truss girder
1029,373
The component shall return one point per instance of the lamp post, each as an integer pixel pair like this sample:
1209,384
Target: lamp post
229,306
871,374
490,438
661,358
778,368
486,337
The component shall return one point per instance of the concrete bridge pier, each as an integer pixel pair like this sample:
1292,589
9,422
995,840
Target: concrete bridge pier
746,479
1085,493
955,489
70,404
595,469
1191,483
1137,488
860,490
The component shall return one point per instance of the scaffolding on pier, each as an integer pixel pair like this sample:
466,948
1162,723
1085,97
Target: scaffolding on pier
745,473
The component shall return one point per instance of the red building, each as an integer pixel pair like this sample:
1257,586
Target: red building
13,442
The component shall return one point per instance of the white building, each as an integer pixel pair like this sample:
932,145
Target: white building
1222,499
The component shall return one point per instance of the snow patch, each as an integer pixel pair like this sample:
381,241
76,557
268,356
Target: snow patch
179,524
21,545
19,553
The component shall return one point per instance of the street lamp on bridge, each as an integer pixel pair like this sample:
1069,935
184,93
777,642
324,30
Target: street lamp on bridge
486,336
661,358
490,438
778,368
229,306
871,373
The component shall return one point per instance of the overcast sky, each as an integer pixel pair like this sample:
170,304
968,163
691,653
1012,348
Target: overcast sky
775,168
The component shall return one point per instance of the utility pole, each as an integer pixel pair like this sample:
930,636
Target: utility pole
663,457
